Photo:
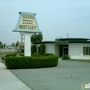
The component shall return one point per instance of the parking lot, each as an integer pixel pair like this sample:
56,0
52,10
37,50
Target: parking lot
68,75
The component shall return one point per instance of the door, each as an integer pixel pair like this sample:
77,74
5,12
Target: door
65,50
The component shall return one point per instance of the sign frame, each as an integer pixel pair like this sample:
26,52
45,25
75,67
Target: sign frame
28,31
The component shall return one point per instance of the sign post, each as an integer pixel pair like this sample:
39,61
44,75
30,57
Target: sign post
27,26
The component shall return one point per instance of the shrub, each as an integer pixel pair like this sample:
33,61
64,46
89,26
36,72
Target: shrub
47,54
33,49
31,62
9,55
21,54
65,57
42,49
35,55
22,50
3,58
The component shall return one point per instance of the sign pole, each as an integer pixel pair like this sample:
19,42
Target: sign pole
27,44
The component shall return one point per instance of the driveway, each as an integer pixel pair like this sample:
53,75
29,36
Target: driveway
68,75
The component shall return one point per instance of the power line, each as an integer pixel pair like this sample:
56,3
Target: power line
8,39
4,40
4,29
5,37
8,33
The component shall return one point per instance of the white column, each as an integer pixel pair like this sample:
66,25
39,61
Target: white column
81,50
27,43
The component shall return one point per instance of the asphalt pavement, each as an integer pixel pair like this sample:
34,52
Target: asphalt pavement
68,75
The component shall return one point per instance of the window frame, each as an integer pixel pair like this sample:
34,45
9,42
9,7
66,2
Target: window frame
86,50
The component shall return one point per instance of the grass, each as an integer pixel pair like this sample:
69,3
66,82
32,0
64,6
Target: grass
80,60
4,53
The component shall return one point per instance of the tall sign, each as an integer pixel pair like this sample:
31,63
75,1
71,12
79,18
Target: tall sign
27,25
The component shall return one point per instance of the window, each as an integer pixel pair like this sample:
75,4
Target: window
86,50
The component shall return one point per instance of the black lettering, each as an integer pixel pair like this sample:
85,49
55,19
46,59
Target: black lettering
22,26
27,27
27,16
33,27
23,15
27,20
31,20
30,16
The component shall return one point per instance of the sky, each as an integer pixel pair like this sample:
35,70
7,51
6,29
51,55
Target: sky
55,18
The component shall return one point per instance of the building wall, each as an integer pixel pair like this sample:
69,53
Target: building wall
18,48
50,48
76,50
57,50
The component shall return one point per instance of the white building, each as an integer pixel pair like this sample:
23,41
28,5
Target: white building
76,48
19,47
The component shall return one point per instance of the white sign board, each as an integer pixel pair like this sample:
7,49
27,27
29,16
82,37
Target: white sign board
27,22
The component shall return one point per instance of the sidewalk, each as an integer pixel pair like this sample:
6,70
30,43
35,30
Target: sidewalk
9,81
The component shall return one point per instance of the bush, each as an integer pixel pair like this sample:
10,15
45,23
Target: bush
22,50
2,58
9,55
42,49
33,49
47,54
21,54
31,62
65,57
35,55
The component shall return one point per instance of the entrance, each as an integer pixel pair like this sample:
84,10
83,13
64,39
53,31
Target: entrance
63,49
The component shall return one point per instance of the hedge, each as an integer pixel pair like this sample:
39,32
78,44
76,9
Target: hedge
47,54
2,58
42,49
9,55
31,62
35,55
65,57
33,49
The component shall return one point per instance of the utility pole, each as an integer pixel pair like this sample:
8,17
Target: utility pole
22,38
67,35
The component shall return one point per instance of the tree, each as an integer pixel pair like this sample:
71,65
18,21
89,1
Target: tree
13,44
4,45
1,44
37,37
